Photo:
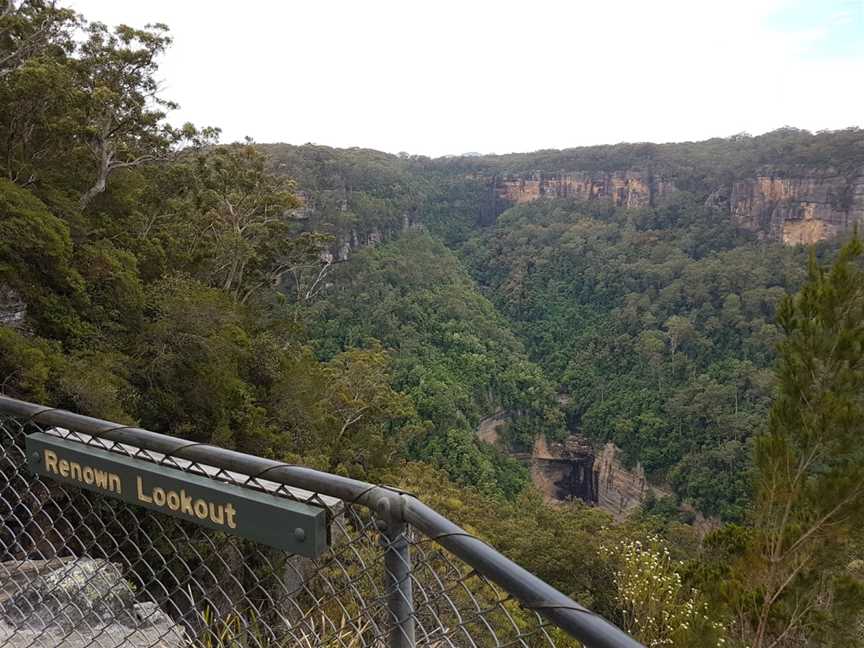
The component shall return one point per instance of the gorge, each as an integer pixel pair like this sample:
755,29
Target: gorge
601,360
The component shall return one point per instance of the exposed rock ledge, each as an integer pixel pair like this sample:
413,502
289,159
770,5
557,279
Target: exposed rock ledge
796,208
564,470
75,604
572,469
12,308
797,205
625,188
621,490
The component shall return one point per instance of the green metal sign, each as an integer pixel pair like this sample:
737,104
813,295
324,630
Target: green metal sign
268,519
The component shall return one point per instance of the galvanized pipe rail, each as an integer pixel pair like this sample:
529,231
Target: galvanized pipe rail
394,508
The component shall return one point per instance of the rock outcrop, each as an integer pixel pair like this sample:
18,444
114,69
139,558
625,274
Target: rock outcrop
573,469
800,208
348,242
564,470
489,428
797,206
13,310
621,490
15,576
79,603
633,189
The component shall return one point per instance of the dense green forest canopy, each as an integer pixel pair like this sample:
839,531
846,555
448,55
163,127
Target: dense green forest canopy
657,324
453,354
694,166
362,312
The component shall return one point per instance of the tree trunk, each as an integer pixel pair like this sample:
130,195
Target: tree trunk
92,192
101,180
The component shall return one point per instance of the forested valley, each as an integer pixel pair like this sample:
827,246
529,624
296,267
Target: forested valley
362,313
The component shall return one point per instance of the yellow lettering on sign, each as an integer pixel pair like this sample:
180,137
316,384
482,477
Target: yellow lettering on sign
173,500
51,461
178,501
85,474
186,503
181,502
217,513
101,478
141,496
201,509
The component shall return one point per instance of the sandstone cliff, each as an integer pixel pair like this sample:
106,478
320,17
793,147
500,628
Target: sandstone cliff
798,206
489,428
564,470
347,238
621,490
631,189
572,469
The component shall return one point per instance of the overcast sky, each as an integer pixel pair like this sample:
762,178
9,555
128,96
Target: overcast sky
446,77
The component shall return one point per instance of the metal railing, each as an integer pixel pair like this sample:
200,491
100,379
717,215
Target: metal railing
82,569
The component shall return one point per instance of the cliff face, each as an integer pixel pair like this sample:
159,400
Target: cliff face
345,240
489,428
801,209
12,308
624,188
348,242
795,207
621,490
572,469
563,471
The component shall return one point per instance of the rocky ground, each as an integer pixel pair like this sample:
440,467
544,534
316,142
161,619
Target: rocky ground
79,604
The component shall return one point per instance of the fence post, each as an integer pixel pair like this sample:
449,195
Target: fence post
397,583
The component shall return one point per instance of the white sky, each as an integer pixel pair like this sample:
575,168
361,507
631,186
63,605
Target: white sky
446,77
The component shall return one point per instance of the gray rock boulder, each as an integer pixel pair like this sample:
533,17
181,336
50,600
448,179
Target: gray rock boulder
83,592
83,603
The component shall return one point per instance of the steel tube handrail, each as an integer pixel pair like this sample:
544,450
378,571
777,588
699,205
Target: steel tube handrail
532,592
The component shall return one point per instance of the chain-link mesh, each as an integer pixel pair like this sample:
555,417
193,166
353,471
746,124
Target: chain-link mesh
80,569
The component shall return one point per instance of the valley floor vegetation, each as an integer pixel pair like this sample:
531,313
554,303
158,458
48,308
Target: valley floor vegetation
361,313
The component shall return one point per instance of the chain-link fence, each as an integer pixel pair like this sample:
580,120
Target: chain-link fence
79,568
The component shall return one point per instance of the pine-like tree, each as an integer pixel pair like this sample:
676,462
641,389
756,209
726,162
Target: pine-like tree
810,484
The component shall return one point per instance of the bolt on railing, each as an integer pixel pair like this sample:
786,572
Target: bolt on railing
77,566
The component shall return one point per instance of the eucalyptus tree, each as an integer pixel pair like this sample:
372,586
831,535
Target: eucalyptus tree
29,29
246,223
37,91
122,113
